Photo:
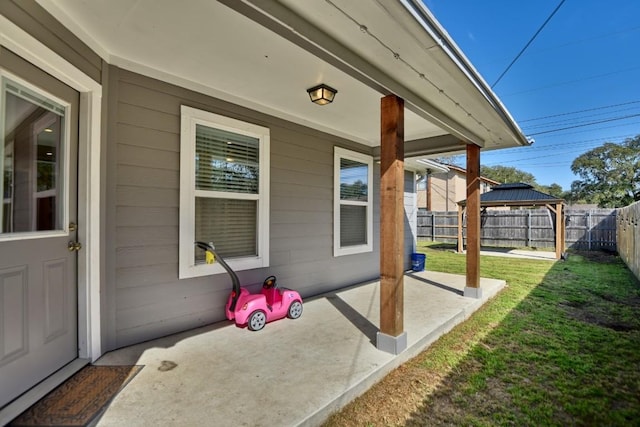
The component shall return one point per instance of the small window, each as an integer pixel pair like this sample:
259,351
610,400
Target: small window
353,216
224,176
33,163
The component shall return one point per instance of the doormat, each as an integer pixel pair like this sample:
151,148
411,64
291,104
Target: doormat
77,401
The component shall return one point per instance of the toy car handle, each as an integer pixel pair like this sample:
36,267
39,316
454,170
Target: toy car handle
234,278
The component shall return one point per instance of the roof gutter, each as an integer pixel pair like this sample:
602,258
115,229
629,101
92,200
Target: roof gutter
424,17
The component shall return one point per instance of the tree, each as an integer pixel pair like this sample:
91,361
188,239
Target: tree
507,175
610,174
553,190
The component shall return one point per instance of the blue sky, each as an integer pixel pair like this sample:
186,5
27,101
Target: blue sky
587,57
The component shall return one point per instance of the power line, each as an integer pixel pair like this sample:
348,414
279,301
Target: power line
538,51
597,76
588,39
579,111
576,120
528,43
586,124
536,147
579,150
562,135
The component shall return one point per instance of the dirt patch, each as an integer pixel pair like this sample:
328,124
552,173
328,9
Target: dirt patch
589,315
391,400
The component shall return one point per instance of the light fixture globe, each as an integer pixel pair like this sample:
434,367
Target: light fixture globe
322,94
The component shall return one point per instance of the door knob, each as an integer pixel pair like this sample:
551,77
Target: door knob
74,246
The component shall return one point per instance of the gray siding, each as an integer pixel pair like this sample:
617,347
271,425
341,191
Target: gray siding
144,297
32,18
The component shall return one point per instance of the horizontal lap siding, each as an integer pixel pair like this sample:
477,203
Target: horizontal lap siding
149,299
40,24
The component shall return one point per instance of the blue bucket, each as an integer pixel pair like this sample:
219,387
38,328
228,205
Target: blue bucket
417,261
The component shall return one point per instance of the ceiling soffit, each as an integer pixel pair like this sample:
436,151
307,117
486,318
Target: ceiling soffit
270,66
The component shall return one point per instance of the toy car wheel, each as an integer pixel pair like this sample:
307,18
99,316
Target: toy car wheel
295,310
257,320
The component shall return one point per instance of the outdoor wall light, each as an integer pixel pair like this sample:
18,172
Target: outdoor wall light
322,94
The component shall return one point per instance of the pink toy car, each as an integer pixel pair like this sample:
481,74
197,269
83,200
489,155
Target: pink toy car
256,310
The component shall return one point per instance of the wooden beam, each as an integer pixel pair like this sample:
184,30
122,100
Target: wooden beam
473,216
392,216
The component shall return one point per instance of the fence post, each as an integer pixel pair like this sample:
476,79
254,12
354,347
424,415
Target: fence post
529,228
589,229
433,226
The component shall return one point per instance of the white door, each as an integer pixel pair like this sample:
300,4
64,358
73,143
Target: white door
38,195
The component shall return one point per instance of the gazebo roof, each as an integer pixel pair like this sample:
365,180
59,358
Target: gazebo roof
516,194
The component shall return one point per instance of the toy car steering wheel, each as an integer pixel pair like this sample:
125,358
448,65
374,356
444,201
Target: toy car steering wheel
269,282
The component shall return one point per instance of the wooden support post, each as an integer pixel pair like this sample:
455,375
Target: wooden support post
392,337
460,236
473,222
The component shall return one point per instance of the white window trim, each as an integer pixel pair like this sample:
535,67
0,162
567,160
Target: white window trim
341,153
189,118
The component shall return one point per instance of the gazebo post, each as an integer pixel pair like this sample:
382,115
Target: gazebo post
473,222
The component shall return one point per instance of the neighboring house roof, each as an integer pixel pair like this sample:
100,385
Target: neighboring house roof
516,194
263,55
464,172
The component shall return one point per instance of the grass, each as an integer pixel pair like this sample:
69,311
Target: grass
560,345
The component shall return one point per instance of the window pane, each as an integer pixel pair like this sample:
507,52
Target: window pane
229,224
353,180
226,161
31,165
353,225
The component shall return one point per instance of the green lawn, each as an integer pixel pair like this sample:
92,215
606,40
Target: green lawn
560,345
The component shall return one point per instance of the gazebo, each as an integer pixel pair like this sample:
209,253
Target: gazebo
519,195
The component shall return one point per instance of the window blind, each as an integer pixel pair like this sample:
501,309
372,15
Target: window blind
353,225
231,225
226,161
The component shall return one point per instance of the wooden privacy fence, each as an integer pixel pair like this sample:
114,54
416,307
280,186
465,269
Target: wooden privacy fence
628,236
591,229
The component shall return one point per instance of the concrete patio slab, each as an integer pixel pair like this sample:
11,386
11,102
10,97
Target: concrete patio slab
293,372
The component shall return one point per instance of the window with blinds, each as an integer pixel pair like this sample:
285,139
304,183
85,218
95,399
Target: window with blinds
353,202
224,165
226,162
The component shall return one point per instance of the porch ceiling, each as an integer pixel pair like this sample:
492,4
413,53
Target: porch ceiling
365,49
